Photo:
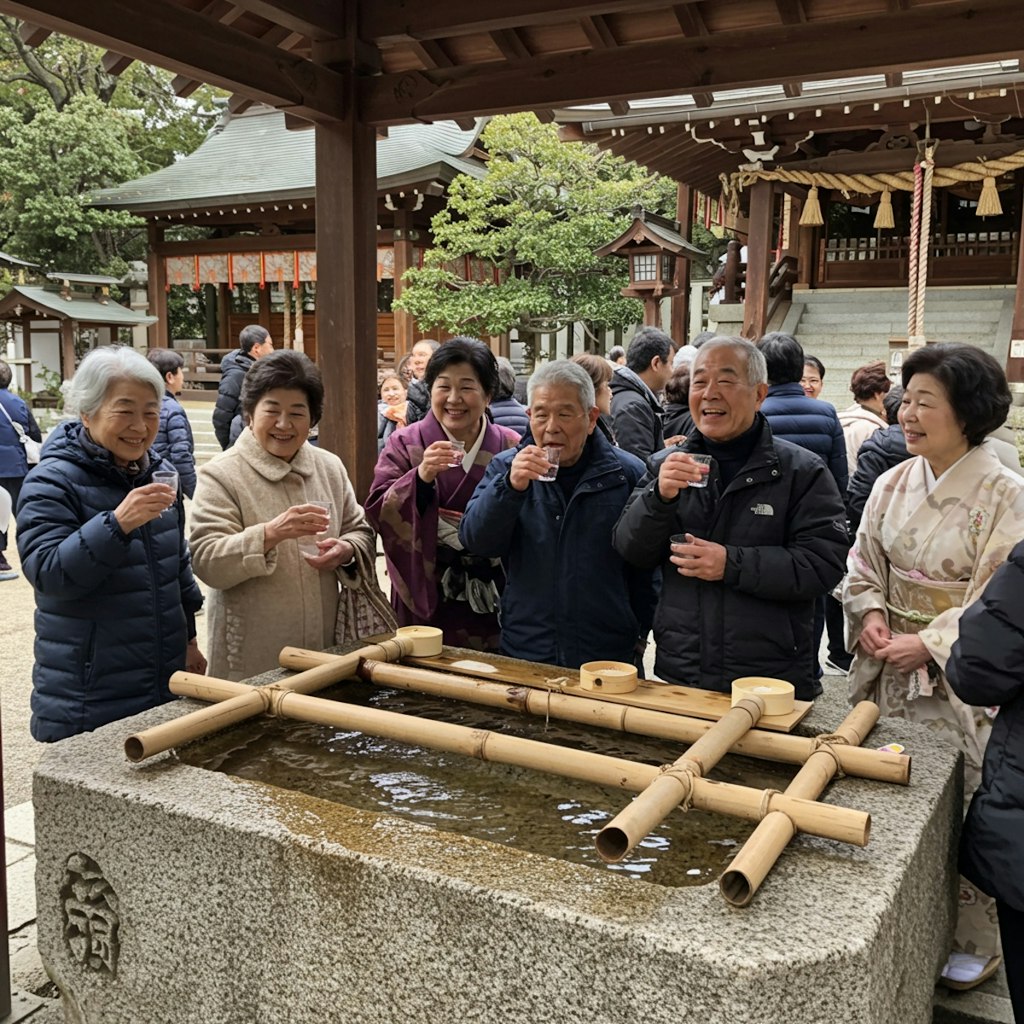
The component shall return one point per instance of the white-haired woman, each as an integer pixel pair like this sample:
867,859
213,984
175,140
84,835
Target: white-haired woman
104,547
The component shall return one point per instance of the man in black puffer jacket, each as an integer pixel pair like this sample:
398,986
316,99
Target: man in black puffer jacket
636,409
253,343
763,540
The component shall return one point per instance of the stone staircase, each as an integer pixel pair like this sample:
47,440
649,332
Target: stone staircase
848,327
200,416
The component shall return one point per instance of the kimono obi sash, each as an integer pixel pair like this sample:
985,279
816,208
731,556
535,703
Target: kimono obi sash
914,600
466,577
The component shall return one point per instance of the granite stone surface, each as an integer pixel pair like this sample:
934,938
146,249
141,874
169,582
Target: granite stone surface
167,892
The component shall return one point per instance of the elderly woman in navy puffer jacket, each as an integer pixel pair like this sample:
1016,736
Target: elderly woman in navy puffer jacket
104,548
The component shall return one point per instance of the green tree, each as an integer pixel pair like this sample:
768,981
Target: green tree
68,127
537,216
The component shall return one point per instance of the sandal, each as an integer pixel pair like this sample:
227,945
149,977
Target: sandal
964,971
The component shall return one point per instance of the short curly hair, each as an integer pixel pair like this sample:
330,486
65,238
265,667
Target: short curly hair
283,368
974,382
867,381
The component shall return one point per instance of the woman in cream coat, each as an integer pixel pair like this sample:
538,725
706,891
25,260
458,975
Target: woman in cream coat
254,505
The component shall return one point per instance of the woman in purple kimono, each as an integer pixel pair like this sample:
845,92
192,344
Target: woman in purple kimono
425,476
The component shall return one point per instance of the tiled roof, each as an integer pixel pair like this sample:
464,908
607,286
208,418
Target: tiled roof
254,158
82,310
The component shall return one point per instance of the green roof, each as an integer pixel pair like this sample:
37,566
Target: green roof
84,310
252,157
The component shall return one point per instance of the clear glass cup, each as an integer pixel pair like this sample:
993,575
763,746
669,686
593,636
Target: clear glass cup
458,453
307,545
703,460
168,476
554,455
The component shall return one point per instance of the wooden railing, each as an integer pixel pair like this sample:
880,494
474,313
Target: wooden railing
780,284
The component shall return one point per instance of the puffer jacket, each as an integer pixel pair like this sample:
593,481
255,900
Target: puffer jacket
984,670
111,610
809,423
637,417
507,412
569,597
783,525
417,401
881,451
233,368
174,441
13,462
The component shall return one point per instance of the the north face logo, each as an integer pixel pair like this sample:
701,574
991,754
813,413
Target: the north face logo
762,509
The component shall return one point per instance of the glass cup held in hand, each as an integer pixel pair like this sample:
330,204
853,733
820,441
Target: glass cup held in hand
458,453
169,478
307,545
553,454
702,460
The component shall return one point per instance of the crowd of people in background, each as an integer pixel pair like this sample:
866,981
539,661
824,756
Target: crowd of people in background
702,493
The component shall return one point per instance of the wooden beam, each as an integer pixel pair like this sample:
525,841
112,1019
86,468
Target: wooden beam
239,104
431,54
316,19
958,32
114,63
33,35
893,79
191,45
238,243
601,37
398,21
690,21
511,44
346,290
680,303
759,253
1015,365
791,12
184,85
792,89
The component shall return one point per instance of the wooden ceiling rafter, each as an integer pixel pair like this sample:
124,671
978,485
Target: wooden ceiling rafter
955,32
314,19
600,36
33,35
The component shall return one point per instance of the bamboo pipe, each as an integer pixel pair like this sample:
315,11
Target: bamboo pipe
880,766
673,787
751,865
825,820
252,700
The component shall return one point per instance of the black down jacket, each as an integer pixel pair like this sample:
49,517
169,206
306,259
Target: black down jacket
783,525
111,623
985,670
637,416
233,368
884,449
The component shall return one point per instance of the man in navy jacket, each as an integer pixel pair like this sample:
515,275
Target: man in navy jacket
569,597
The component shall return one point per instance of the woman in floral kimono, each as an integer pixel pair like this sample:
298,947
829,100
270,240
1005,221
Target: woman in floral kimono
424,478
934,530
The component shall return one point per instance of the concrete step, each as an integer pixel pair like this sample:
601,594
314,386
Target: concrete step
881,295
864,320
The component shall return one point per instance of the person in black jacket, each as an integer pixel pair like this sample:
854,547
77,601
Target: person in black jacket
418,396
174,438
985,671
505,410
254,342
760,542
636,408
815,426
884,449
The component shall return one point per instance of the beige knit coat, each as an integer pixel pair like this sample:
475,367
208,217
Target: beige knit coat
261,602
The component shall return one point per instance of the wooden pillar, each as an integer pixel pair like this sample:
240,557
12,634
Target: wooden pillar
210,314
403,261
1015,360
346,296
67,348
26,349
759,254
157,280
263,316
680,316
223,316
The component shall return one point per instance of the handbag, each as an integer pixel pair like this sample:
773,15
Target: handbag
363,610
33,448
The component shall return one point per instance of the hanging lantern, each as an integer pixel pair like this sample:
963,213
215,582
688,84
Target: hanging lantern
883,215
988,202
810,216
